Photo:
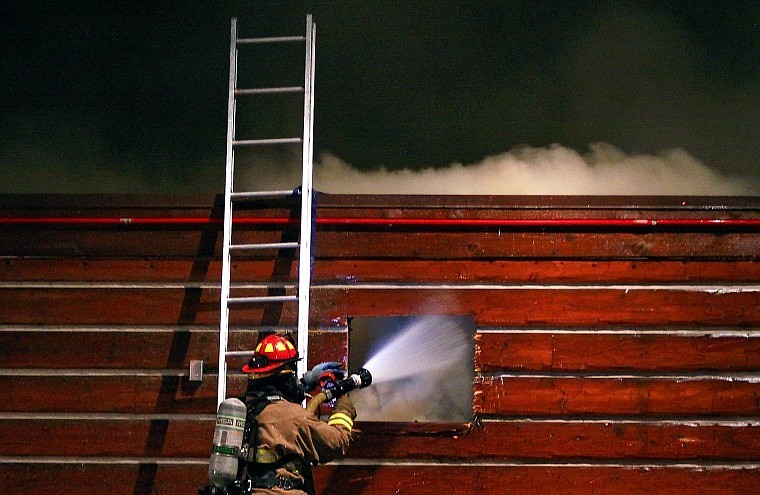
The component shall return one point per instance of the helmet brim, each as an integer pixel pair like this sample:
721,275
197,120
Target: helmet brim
269,367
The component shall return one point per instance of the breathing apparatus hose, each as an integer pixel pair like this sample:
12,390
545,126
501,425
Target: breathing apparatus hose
360,378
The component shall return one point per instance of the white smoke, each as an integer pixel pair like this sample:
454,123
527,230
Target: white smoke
38,158
556,170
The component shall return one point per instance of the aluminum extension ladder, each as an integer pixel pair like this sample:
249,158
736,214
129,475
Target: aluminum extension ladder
233,198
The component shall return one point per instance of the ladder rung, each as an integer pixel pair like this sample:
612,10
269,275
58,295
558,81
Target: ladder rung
249,195
260,300
254,142
239,353
270,245
263,91
274,39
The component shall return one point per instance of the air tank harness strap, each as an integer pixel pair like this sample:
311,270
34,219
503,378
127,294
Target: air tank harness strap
249,439
264,475
269,479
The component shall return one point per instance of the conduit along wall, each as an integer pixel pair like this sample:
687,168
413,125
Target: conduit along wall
616,339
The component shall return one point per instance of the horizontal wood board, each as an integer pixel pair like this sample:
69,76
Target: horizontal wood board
505,306
147,478
515,440
389,270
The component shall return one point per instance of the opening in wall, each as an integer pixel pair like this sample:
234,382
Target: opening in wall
422,367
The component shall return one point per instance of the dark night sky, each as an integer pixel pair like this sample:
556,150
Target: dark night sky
131,96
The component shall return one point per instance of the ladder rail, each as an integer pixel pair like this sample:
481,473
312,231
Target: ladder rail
227,223
304,262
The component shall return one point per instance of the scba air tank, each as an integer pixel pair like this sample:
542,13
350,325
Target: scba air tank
228,438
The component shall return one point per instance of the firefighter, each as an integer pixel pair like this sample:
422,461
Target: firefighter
288,439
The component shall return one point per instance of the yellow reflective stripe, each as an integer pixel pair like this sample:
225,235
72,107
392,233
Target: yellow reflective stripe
341,415
266,456
341,422
341,419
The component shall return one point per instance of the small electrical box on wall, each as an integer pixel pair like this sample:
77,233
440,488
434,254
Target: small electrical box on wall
196,370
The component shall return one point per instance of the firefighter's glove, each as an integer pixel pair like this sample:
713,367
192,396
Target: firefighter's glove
345,405
310,379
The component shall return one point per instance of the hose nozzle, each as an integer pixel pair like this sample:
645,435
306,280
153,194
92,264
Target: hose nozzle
360,378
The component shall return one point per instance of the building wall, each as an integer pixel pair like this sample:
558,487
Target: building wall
617,344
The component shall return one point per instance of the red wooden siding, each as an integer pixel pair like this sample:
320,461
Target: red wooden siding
611,357
633,351
490,479
559,440
377,270
517,305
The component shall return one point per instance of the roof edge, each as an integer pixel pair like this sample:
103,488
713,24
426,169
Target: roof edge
96,201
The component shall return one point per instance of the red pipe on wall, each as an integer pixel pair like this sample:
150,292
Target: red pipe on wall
742,223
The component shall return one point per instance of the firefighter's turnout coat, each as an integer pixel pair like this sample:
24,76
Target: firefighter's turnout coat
289,440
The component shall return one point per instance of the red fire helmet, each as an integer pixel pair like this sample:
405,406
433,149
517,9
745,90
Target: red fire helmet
272,352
